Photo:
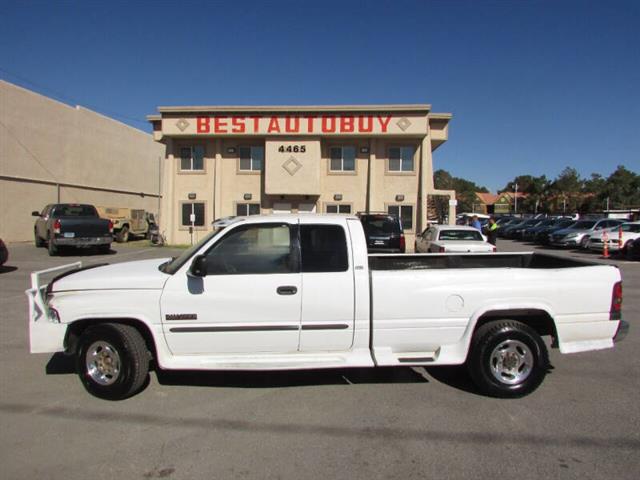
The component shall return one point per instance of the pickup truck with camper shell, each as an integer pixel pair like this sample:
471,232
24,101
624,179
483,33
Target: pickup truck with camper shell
62,225
284,292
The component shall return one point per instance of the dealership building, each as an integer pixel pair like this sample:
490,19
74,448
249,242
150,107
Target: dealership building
223,161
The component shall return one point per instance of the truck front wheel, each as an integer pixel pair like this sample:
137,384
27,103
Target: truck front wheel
112,361
507,359
123,235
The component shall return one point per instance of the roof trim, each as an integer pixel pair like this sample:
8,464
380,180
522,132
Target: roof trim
425,108
440,116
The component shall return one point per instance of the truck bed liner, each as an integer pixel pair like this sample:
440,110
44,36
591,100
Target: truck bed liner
467,260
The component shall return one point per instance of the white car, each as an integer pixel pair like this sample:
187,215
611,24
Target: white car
630,231
452,239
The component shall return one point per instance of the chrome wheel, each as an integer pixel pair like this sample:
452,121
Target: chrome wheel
102,363
511,362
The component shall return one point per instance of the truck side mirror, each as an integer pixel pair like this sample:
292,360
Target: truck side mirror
35,214
199,266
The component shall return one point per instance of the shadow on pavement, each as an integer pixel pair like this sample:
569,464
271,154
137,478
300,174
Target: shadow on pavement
7,269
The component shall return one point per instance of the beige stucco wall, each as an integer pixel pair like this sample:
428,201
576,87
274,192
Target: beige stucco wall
45,142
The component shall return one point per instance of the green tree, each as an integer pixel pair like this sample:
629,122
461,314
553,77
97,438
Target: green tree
465,192
622,188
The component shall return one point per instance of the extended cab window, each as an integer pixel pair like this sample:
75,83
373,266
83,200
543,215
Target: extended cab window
253,249
323,248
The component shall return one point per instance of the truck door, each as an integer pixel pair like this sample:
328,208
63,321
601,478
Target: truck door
327,287
249,301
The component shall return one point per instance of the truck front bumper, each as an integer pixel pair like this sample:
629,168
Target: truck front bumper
623,330
46,333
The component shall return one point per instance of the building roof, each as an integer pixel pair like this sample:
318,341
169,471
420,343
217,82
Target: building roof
487,198
425,108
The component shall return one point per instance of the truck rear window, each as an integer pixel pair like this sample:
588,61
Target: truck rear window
74,211
323,248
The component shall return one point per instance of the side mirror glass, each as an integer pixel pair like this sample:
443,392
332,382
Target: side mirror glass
199,266
35,214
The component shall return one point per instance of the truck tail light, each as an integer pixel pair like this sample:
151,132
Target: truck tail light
494,249
403,244
110,226
441,250
616,302
56,226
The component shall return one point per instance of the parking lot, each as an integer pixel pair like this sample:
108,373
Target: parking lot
583,422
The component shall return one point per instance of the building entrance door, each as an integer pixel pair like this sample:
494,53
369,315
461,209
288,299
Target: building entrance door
281,208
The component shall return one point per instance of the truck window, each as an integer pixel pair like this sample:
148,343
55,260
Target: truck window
72,210
323,248
253,249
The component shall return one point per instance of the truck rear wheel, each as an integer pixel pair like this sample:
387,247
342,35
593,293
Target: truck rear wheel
37,240
112,361
507,359
53,250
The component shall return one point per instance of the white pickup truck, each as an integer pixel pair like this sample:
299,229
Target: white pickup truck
301,292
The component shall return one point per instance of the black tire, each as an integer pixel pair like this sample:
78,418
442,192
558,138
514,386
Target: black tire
104,347
507,359
53,250
123,235
37,240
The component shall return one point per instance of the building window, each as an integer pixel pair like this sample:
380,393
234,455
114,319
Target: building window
192,158
405,213
401,159
251,158
245,209
343,208
196,209
343,159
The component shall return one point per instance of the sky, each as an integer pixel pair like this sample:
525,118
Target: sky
533,86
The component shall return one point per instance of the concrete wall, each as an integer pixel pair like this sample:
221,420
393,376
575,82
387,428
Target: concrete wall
52,152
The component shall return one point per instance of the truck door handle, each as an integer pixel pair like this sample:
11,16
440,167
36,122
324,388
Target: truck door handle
287,290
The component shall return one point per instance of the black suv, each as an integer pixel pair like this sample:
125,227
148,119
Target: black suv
384,232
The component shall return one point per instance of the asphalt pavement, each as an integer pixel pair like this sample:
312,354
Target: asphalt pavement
404,423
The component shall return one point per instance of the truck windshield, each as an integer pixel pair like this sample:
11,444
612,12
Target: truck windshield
175,263
74,211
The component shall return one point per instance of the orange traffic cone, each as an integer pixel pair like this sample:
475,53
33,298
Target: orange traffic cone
605,245
620,239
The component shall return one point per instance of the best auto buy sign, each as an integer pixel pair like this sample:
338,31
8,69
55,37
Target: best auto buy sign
305,124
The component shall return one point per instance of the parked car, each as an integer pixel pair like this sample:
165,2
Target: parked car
72,225
633,251
529,233
319,301
513,231
4,253
452,239
578,234
630,231
384,232
543,234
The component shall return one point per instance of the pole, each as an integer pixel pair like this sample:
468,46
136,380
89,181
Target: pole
515,205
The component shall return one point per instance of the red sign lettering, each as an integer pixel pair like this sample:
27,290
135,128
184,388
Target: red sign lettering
238,125
383,123
202,125
346,124
328,124
274,125
292,124
219,125
362,127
